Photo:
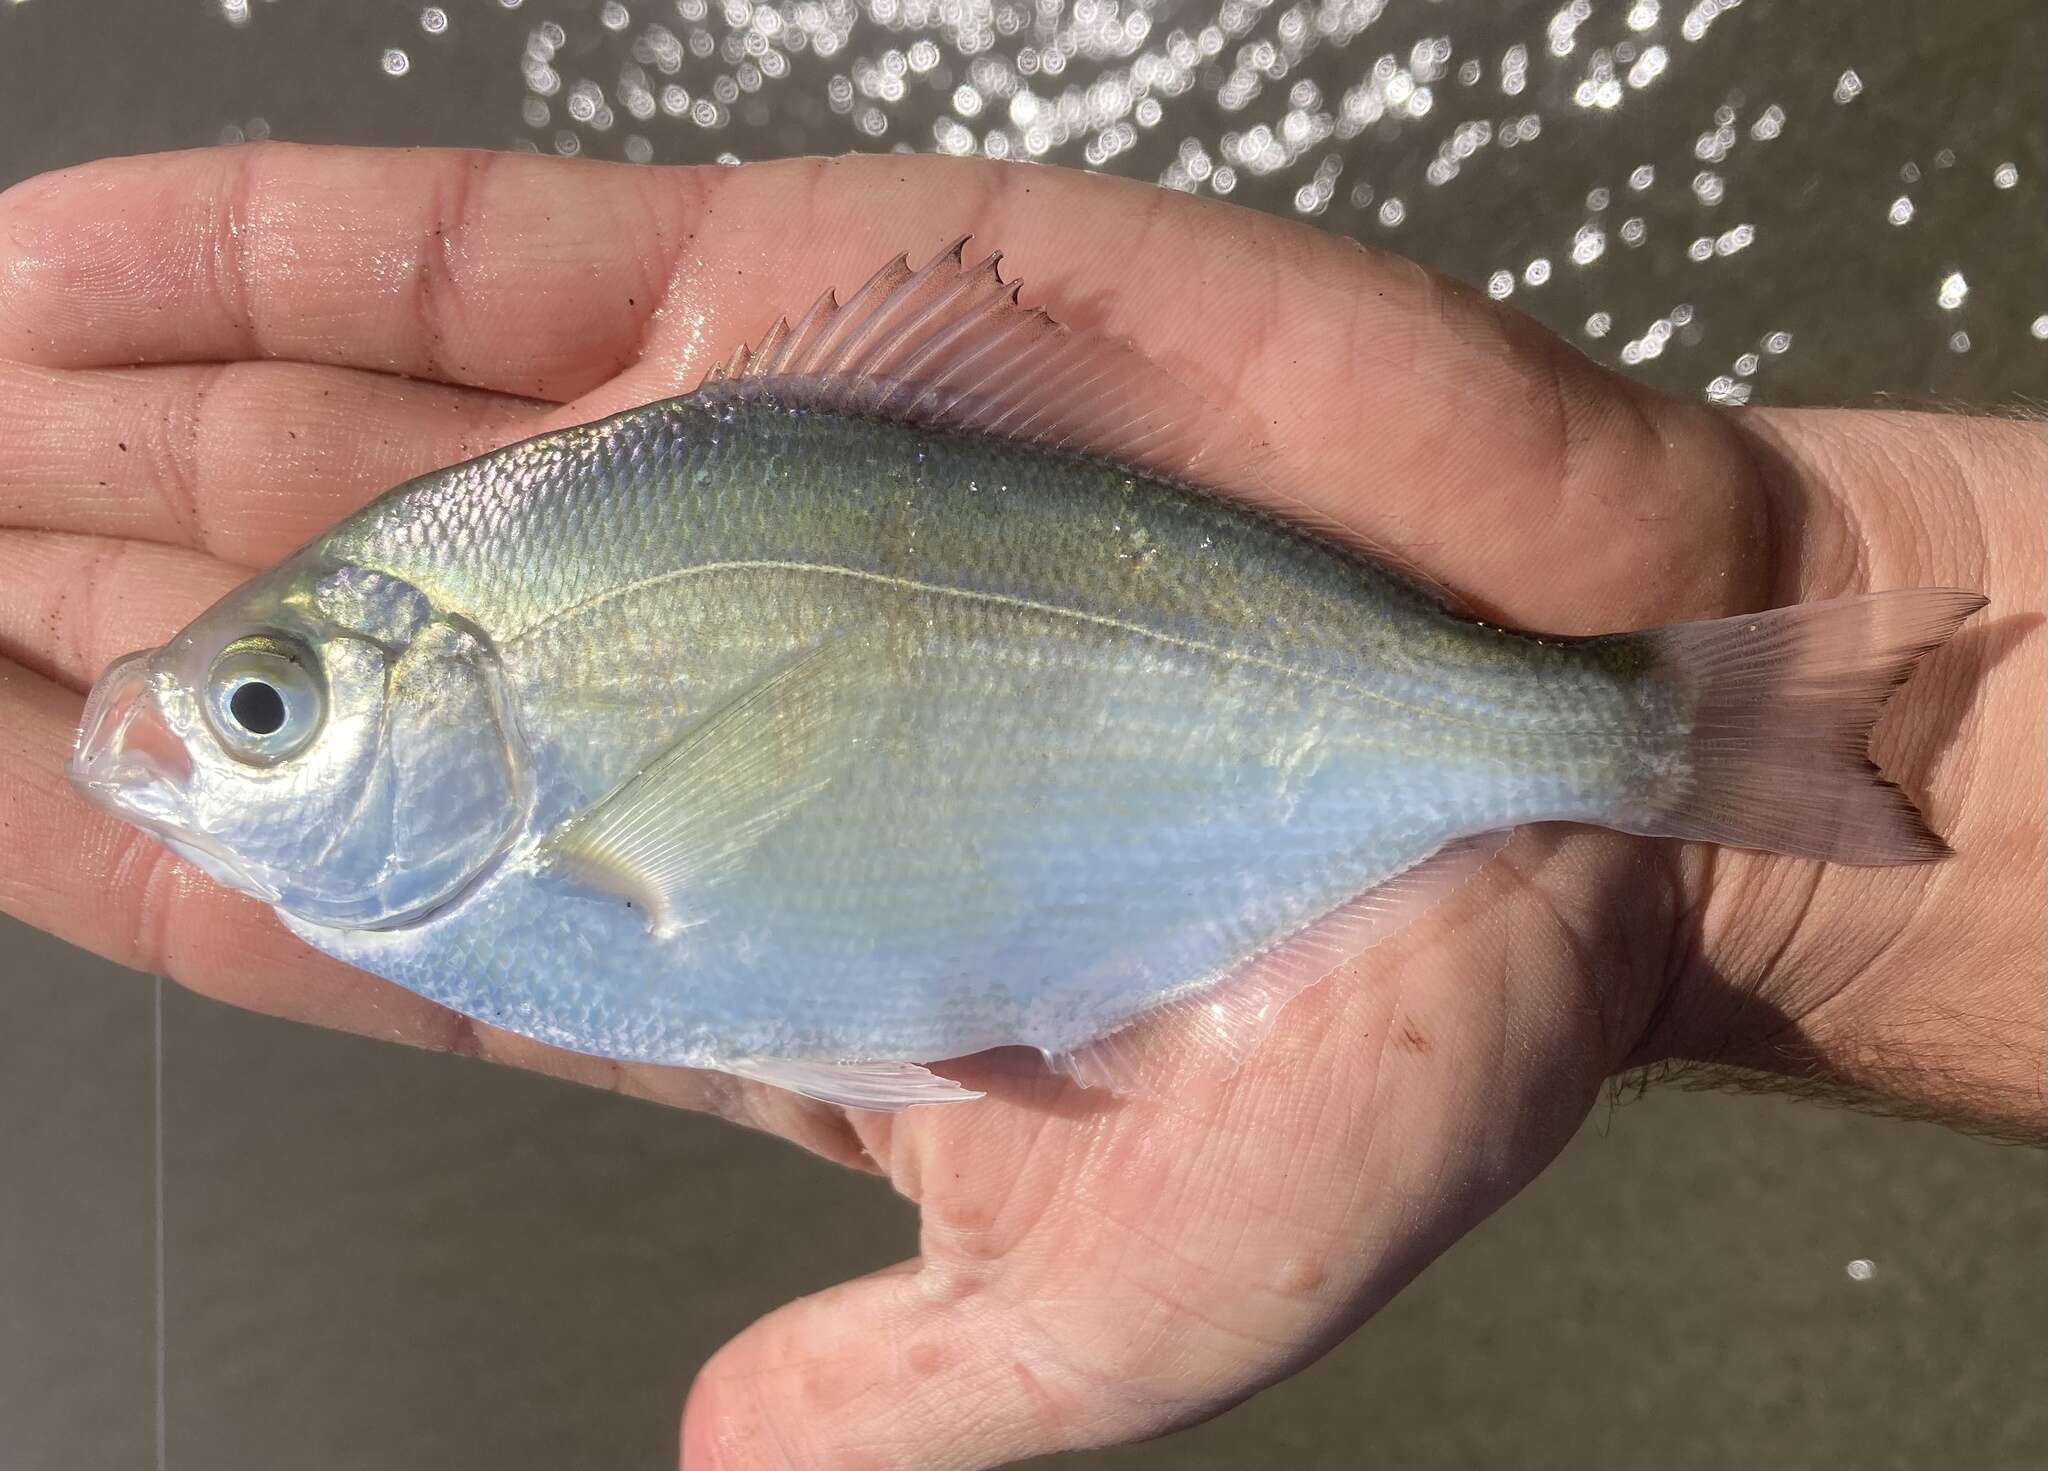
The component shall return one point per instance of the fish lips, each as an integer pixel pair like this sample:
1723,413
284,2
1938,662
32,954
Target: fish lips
130,760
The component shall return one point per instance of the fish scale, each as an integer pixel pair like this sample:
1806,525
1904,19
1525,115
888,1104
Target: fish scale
1226,713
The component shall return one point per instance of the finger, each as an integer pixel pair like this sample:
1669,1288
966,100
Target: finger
1427,415
481,268
243,460
70,604
881,1372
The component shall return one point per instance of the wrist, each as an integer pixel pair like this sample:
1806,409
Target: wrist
1921,985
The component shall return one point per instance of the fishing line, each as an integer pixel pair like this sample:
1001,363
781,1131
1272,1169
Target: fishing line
162,1415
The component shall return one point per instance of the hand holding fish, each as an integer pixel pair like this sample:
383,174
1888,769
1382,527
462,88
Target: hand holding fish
814,782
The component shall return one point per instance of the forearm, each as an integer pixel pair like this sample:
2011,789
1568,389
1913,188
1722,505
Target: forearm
1921,986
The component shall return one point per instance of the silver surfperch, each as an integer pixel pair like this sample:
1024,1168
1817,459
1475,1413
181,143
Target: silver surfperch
911,689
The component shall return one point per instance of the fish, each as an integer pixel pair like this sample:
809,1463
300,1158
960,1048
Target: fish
934,678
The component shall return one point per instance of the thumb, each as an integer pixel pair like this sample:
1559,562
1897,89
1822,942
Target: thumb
911,1366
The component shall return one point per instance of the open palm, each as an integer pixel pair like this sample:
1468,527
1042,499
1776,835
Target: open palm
207,358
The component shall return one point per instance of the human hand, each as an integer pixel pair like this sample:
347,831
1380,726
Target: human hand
209,357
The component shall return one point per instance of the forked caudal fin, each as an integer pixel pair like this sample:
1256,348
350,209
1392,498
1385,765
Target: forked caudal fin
1774,751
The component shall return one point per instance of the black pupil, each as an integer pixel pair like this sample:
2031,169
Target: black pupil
257,707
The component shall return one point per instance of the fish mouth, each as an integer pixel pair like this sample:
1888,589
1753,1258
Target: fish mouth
130,761
126,757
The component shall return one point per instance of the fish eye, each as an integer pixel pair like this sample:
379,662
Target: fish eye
264,699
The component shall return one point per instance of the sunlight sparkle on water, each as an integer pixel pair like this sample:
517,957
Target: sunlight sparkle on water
1366,116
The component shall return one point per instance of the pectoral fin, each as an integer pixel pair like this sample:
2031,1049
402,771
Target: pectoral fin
691,816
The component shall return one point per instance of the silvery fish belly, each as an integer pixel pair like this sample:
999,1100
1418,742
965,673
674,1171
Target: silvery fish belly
907,691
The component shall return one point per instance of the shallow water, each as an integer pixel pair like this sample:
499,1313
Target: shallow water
375,1258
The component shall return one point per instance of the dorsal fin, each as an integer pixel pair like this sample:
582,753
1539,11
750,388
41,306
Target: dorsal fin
950,346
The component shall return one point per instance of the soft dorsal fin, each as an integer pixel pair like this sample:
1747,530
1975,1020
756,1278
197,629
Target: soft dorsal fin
950,346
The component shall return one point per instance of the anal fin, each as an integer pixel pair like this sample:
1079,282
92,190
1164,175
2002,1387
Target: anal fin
1211,1034
882,1086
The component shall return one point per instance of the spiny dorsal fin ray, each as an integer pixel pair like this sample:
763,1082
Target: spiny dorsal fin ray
950,346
